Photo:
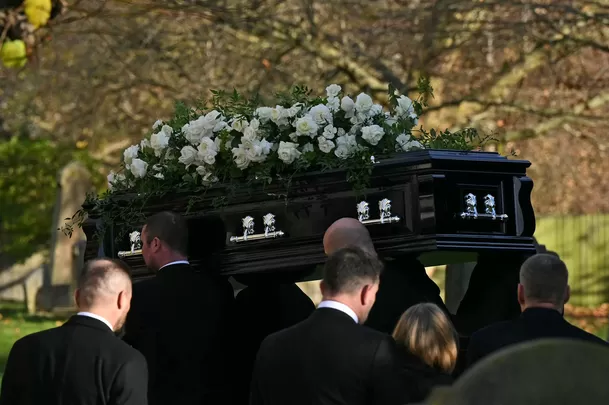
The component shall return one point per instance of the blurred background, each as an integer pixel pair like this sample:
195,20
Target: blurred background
533,74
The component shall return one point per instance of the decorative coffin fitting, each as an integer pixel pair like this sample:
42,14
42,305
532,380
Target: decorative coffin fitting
417,202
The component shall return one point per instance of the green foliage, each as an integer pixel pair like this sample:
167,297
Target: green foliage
28,187
232,126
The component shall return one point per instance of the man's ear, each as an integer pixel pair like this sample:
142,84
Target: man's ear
77,297
520,294
567,294
122,300
322,288
155,244
367,294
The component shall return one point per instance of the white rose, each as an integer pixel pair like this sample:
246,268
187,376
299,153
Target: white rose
159,176
144,144
306,126
345,146
250,133
254,124
254,152
240,158
280,115
342,152
372,134
375,110
293,110
111,179
188,155
195,130
406,143
160,140
157,168
405,107
206,176
288,152
333,90
333,104
157,124
330,132
263,113
325,145
348,106
341,132
363,103
321,114
266,146
138,168
207,151
130,153
308,148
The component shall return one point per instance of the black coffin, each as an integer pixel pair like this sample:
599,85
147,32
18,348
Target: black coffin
431,209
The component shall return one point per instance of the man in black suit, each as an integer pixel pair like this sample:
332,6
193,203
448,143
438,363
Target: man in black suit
179,319
542,293
81,362
403,283
330,358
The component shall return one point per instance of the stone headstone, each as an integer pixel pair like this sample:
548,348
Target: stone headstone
543,372
74,182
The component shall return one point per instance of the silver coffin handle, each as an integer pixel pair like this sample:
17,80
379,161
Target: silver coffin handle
363,213
248,230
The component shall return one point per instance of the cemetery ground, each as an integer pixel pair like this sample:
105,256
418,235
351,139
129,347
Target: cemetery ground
15,323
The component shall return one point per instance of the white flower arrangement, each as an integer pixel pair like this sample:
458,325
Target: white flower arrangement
241,139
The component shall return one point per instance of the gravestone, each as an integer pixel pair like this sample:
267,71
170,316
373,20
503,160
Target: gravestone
543,372
67,253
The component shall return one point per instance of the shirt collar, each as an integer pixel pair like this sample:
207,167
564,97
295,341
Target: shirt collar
99,318
176,262
339,306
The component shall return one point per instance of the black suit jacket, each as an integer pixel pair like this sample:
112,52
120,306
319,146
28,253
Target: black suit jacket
326,359
419,379
80,362
262,309
533,323
403,283
180,321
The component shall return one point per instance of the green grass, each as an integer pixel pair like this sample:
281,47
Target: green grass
581,241
15,324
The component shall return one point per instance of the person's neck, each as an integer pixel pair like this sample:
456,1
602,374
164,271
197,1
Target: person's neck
544,305
345,300
171,259
102,314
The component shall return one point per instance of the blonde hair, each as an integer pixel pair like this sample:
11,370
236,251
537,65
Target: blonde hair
426,332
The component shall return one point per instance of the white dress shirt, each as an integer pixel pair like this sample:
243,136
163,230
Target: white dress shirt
99,318
176,262
340,307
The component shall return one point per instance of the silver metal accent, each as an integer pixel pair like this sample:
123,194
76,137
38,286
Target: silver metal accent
136,246
471,211
248,229
363,213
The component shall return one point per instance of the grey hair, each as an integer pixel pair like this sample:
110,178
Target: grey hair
102,277
544,278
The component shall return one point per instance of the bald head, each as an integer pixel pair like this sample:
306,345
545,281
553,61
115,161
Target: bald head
101,282
347,232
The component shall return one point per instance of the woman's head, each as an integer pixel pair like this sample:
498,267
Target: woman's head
425,331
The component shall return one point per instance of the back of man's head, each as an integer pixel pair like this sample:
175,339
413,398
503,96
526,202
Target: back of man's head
347,232
544,280
104,288
170,228
351,277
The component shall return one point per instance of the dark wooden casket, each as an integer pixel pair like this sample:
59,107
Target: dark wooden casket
417,202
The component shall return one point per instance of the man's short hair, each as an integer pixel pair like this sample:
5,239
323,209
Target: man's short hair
102,276
349,268
170,228
545,278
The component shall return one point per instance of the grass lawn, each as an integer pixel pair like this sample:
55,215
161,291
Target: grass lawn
16,324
